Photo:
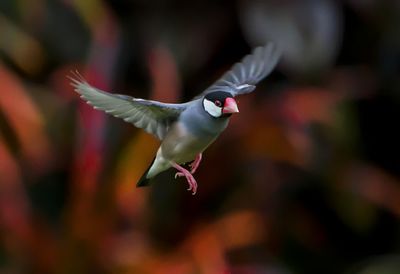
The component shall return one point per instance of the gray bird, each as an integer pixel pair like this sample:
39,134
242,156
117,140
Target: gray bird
186,129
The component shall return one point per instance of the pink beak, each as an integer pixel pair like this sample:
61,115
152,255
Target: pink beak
230,106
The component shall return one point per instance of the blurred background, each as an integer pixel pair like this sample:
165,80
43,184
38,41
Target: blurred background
305,180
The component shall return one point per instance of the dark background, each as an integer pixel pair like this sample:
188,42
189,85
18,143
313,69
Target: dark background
304,180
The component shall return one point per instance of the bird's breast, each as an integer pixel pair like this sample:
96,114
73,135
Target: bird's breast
181,145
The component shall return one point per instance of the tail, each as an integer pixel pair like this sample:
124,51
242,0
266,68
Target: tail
144,181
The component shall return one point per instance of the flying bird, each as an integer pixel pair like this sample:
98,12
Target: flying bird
187,129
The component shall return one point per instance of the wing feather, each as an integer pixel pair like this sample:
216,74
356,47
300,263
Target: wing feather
244,75
152,116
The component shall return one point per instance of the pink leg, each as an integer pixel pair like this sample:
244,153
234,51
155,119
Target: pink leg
189,177
196,163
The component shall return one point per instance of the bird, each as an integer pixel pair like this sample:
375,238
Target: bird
184,129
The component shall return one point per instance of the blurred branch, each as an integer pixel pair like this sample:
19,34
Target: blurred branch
23,50
26,119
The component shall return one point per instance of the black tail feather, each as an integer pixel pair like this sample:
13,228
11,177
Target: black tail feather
143,181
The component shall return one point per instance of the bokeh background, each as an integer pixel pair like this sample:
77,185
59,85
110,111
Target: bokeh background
305,180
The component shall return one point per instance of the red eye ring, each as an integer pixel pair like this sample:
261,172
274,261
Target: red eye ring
218,103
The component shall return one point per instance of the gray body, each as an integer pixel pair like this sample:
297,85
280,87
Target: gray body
189,136
186,129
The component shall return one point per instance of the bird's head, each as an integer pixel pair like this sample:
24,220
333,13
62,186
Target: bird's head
220,104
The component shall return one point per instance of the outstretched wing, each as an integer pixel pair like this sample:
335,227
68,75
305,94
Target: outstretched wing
152,116
244,75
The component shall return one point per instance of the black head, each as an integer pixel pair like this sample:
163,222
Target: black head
219,103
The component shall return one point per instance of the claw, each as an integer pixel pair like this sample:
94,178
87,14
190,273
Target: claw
179,174
189,177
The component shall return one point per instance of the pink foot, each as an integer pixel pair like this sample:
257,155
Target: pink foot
196,163
189,177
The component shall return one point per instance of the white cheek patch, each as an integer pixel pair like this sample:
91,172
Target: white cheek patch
212,109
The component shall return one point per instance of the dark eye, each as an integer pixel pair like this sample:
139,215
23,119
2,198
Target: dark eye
218,103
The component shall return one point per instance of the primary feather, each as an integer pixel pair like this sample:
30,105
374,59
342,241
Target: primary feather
152,116
244,75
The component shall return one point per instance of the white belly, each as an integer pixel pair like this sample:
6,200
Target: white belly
179,146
